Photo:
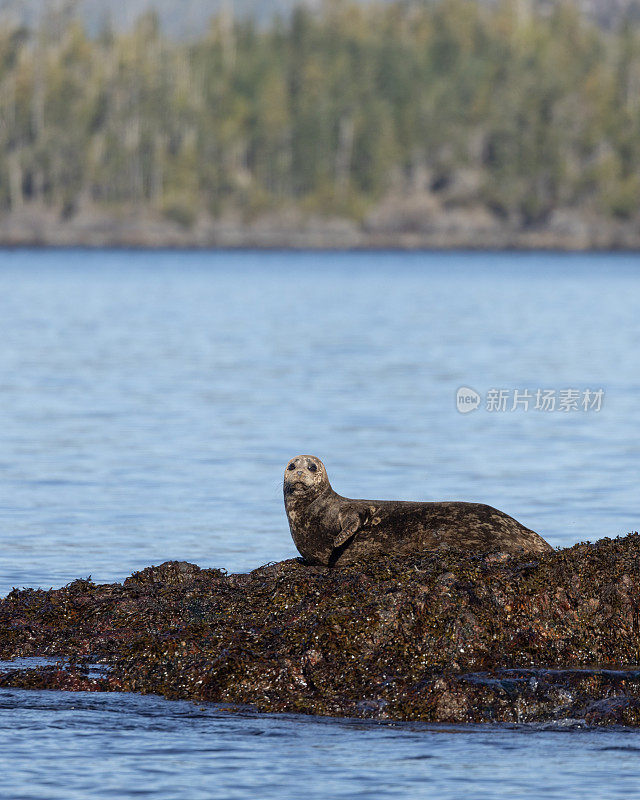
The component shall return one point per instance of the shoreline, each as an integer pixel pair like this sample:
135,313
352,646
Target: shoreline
301,248
388,228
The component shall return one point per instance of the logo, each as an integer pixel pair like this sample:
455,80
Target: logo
550,400
467,400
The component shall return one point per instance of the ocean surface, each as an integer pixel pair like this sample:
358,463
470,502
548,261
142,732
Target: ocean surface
149,402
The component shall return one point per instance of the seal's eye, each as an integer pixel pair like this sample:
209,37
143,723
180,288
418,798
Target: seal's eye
312,468
291,466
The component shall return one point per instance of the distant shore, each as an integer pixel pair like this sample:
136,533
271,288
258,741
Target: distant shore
397,224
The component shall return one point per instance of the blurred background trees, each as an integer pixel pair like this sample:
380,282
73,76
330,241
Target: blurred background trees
495,105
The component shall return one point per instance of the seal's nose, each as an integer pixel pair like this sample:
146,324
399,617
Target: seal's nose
299,472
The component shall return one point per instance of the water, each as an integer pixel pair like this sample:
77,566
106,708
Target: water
150,402
90,746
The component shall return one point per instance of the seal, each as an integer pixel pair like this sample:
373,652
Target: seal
331,530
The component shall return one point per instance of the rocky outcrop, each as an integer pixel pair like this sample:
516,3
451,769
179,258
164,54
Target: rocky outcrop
446,637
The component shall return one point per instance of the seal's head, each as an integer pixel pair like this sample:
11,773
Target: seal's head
305,476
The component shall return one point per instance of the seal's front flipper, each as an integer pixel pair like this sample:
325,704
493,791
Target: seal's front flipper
349,526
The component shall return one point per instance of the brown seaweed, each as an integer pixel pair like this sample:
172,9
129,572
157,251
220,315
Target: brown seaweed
447,637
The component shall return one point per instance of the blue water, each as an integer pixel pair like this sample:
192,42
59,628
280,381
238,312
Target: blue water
82,746
149,404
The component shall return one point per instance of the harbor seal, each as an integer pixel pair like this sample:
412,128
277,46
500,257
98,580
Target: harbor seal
334,531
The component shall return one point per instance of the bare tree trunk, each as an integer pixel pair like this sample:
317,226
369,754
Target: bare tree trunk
227,24
38,96
344,154
524,13
157,171
16,196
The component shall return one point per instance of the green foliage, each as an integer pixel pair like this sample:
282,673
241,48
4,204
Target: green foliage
180,209
328,110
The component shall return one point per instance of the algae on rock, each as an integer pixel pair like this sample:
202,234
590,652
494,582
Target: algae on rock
447,636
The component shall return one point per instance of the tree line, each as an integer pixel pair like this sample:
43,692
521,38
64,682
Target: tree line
491,105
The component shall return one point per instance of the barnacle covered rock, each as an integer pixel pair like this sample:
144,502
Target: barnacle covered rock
443,637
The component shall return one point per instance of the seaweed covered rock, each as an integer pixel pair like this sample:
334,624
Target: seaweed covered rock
445,637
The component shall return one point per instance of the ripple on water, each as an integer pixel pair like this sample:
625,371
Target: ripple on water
139,402
96,745
141,395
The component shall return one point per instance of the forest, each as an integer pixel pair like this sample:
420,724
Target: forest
491,107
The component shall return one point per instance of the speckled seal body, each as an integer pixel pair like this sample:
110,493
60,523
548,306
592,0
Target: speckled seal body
333,531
